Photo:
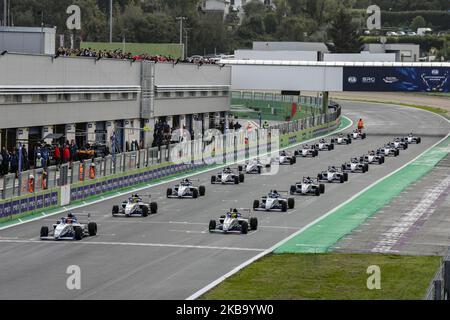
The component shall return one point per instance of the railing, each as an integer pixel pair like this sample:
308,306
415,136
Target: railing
439,288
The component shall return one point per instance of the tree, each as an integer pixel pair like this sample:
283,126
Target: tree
418,22
343,32
291,29
271,23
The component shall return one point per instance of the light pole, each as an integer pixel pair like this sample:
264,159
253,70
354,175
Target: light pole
110,20
4,12
181,19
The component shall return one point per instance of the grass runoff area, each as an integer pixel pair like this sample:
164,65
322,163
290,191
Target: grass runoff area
329,276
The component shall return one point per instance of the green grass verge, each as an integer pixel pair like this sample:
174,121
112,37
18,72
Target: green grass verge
331,276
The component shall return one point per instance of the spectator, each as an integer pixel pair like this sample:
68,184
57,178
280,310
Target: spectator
4,165
39,163
73,151
14,162
57,155
25,160
66,154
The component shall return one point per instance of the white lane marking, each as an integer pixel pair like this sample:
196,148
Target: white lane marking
393,235
134,244
187,175
211,285
190,231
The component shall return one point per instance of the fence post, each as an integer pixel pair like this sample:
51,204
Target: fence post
447,279
437,290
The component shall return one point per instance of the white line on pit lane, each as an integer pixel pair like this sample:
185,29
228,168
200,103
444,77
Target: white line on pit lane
134,244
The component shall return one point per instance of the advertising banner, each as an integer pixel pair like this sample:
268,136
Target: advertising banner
405,79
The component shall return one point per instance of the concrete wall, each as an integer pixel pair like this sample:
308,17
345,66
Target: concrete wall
360,57
191,74
286,55
28,40
191,106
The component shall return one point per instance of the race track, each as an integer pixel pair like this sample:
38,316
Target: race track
171,255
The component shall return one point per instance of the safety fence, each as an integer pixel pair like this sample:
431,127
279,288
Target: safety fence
41,189
439,288
272,106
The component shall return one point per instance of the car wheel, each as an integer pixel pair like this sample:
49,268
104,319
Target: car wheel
419,140
240,168
195,193
78,233
341,179
366,166
291,203
345,176
284,206
322,188
317,192
319,176
144,211
236,180
92,229
153,207
241,177
259,170
212,225
213,179
253,223
202,190
255,204
169,192
293,190
115,210
44,231
244,227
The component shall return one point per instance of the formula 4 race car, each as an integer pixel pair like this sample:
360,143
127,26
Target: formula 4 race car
228,176
341,139
234,222
308,186
372,158
186,189
400,143
287,158
254,167
324,146
358,134
135,206
413,139
333,174
307,151
274,201
355,165
388,150
69,228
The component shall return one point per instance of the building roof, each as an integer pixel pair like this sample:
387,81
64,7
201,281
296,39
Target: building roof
333,63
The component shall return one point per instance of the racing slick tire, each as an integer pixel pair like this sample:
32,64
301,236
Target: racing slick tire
291,203
212,225
317,192
169,192
240,168
296,153
153,208
319,176
244,227
284,206
259,170
364,136
241,177
418,140
202,190
295,160
144,211
292,161
316,152
78,233
333,141
92,229
293,190
115,210
342,179
44,231
195,194
253,223
331,146
363,170
322,188
213,179
397,153
345,176
236,180
255,204
366,166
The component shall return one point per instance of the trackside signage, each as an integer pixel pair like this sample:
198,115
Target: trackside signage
406,79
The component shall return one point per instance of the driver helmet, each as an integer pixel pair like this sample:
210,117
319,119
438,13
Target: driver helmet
70,215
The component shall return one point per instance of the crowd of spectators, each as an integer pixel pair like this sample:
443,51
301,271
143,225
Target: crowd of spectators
119,54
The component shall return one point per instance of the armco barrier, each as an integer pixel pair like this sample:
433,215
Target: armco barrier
16,208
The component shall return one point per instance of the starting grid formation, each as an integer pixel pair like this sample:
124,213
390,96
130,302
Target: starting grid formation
156,164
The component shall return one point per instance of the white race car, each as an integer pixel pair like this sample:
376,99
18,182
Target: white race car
234,222
186,189
388,151
355,165
333,174
274,201
413,139
400,143
69,228
324,146
135,206
358,134
228,176
255,167
307,151
308,186
287,158
372,158
341,139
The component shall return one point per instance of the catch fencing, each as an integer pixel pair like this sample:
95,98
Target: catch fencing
439,288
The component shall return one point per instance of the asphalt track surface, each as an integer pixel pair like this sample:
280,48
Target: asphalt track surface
171,255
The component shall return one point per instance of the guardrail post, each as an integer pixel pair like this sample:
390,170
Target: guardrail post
437,289
446,280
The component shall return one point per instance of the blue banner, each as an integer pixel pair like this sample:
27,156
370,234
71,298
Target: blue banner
405,79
